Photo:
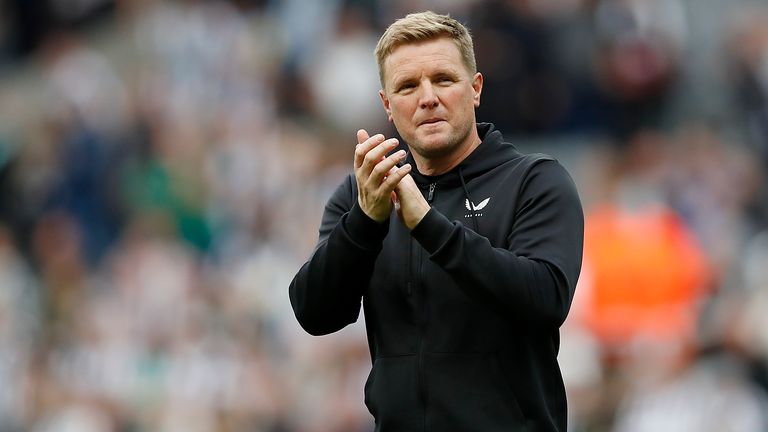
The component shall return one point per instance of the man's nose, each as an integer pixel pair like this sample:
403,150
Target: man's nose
428,97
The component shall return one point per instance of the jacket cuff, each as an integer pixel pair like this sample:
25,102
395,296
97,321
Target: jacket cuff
433,231
364,231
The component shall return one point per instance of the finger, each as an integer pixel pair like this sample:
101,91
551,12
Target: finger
364,147
391,171
394,178
381,169
407,186
377,154
362,135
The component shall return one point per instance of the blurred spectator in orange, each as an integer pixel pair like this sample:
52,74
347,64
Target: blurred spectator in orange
647,275
645,271
636,313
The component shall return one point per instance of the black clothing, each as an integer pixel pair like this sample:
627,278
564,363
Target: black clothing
463,312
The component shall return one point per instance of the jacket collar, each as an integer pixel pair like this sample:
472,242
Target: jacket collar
491,152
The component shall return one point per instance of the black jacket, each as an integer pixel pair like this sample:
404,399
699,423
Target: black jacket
463,312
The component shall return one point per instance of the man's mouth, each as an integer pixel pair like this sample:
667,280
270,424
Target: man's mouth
431,121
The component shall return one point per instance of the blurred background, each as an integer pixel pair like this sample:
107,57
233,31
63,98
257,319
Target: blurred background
164,166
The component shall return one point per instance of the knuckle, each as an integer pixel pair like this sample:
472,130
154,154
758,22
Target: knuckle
379,169
395,177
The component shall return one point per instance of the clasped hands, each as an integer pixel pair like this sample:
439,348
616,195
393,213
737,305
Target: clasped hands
382,185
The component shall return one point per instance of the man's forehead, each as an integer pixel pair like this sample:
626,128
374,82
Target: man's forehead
439,43
434,54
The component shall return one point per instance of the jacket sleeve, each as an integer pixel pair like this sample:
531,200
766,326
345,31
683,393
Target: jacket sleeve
326,292
534,278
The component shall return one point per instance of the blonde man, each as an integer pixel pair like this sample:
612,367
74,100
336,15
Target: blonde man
464,252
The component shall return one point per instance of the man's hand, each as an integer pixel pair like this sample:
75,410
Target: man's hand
376,174
409,202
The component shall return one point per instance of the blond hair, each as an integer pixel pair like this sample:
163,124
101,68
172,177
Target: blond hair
422,26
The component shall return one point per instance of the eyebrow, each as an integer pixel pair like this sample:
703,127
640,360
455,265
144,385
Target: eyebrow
400,82
404,81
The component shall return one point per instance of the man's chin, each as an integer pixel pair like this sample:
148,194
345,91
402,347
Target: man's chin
435,139
433,146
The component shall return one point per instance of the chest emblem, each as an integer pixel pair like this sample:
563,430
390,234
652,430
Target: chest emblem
475,207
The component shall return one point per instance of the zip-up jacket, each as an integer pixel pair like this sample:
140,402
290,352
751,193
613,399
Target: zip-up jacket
462,312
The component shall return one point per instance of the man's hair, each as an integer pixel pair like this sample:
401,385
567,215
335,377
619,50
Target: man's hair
422,26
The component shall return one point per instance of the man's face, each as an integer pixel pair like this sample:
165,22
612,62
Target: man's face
431,97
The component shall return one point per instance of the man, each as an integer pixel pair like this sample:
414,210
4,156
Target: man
465,257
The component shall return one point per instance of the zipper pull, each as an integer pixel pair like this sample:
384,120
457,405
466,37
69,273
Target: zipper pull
431,194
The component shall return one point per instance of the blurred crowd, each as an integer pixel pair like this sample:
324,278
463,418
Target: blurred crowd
164,166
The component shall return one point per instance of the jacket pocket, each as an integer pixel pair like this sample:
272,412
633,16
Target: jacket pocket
391,394
469,392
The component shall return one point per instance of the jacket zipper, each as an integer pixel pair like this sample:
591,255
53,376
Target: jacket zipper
431,194
422,388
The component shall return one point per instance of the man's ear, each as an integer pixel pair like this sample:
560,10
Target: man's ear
385,102
477,86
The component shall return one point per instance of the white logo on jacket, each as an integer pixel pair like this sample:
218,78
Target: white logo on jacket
473,206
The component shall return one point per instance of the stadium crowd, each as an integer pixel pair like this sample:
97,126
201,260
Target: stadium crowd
164,164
